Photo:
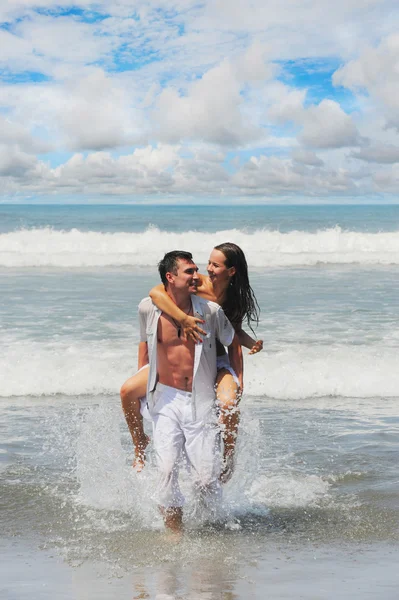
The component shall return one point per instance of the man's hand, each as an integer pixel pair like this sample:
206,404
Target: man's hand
191,330
257,347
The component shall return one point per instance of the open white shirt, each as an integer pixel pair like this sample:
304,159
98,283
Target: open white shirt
216,325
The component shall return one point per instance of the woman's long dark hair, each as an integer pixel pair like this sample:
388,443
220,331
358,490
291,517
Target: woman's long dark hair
240,302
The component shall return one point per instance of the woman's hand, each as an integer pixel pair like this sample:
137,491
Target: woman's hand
257,347
191,330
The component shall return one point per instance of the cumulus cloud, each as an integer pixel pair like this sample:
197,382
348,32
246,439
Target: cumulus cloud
271,176
168,170
387,180
14,134
285,103
52,46
378,153
90,112
328,126
376,72
307,157
96,113
211,108
14,162
323,125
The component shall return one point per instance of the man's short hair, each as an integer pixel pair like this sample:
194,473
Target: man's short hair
169,263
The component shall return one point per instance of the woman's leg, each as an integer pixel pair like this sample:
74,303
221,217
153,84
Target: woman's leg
227,393
131,393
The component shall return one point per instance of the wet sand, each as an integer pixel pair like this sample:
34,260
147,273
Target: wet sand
310,573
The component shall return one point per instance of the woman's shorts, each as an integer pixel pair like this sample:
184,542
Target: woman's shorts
222,362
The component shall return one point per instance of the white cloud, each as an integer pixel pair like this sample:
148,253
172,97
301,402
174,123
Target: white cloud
328,126
14,134
286,104
376,72
271,176
387,180
378,153
53,46
167,170
96,114
307,157
179,87
94,111
14,162
211,108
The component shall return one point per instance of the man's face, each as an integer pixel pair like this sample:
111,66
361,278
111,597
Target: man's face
186,277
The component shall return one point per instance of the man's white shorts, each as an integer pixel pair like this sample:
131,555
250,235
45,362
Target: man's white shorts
174,432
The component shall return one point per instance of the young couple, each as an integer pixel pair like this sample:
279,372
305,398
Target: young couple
183,334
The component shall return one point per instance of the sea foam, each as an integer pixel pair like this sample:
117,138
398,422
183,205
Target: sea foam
298,371
264,248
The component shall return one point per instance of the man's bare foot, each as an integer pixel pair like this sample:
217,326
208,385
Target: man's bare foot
139,454
173,519
228,467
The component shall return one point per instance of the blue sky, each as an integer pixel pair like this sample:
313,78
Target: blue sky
123,101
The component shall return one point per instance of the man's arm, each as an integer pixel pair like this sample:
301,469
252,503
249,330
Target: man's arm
236,360
226,335
143,355
143,358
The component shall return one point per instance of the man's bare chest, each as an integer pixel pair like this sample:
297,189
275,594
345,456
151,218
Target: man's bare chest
169,333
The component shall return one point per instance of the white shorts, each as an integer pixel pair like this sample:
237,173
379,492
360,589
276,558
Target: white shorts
176,432
222,362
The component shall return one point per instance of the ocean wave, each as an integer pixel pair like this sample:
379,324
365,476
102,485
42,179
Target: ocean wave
296,372
264,248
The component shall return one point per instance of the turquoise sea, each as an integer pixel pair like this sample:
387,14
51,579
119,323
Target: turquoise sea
313,508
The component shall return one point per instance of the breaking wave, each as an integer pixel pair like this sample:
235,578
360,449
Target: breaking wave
91,368
47,247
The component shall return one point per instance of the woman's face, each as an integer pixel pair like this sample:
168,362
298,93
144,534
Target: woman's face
217,269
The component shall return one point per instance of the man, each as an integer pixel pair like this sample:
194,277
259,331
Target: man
180,391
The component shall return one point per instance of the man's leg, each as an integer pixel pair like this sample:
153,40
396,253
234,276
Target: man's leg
203,451
172,517
168,444
227,394
131,393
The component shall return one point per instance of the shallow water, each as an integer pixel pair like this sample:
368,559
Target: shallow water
296,505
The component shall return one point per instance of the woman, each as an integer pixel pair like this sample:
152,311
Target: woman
227,284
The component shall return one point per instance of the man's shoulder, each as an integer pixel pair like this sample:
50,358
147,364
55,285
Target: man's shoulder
146,305
213,306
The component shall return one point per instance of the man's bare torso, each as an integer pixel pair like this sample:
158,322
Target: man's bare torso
175,356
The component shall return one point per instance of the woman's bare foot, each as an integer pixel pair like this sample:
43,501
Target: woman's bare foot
139,452
228,466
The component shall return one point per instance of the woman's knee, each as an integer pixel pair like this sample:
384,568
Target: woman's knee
227,392
126,390
134,387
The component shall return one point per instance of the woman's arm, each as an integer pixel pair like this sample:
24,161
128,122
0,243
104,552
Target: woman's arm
189,324
247,341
